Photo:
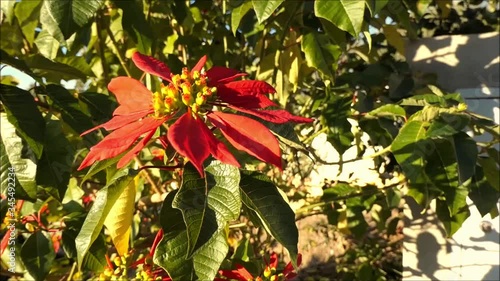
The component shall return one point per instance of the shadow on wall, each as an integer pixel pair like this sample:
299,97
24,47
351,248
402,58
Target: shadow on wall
460,61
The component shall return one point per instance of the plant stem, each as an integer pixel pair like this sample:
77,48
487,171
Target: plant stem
118,53
148,177
72,272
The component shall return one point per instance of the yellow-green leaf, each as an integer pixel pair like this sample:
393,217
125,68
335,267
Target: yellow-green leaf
119,222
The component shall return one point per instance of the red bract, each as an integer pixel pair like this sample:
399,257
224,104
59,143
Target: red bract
131,120
195,95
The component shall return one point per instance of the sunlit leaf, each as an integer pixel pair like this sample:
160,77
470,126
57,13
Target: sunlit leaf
105,199
264,9
23,113
345,14
260,195
120,222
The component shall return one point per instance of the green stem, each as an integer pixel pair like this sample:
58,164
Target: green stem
118,53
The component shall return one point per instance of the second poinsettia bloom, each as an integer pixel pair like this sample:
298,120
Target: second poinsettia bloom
188,100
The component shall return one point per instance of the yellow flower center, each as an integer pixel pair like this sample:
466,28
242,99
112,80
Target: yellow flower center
186,90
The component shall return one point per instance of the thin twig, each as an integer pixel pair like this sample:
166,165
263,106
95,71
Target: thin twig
99,23
149,178
118,53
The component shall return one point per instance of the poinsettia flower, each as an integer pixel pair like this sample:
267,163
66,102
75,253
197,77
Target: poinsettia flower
242,274
199,92
133,118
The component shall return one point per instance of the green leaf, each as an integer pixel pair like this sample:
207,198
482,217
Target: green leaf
223,204
47,44
238,13
335,117
484,196
28,13
23,113
95,259
466,155
264,9
8,9
454,222
119,224
491,171
70,110
38,255
17,63
410,148
15,155
100,166
207,203
442,170
105,199
448,124
394,38
388,110
54,168
260,195
63,18
55,71
345,14
320,53
425,99
134,22
100,106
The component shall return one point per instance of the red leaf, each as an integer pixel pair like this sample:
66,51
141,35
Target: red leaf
135,150
152,66
187,137
220,74
247,94
199,65
248,135
273,261
279,116
288,270
119,121
119,141
217,148
130,94
240,273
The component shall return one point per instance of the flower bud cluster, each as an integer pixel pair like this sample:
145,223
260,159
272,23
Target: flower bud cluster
187,89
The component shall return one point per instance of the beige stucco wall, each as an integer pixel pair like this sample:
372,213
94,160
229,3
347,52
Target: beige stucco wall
468,64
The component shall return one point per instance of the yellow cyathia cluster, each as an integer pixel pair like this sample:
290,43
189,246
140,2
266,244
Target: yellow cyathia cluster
187,89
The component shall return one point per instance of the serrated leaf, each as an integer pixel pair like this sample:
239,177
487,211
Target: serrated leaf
69,108
105,199
15,155
63,18
410,148
224,201
260,194
38,255
345,14
54,168
23,113
335,117
238,13
264,9
320,53
120,222
207,203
